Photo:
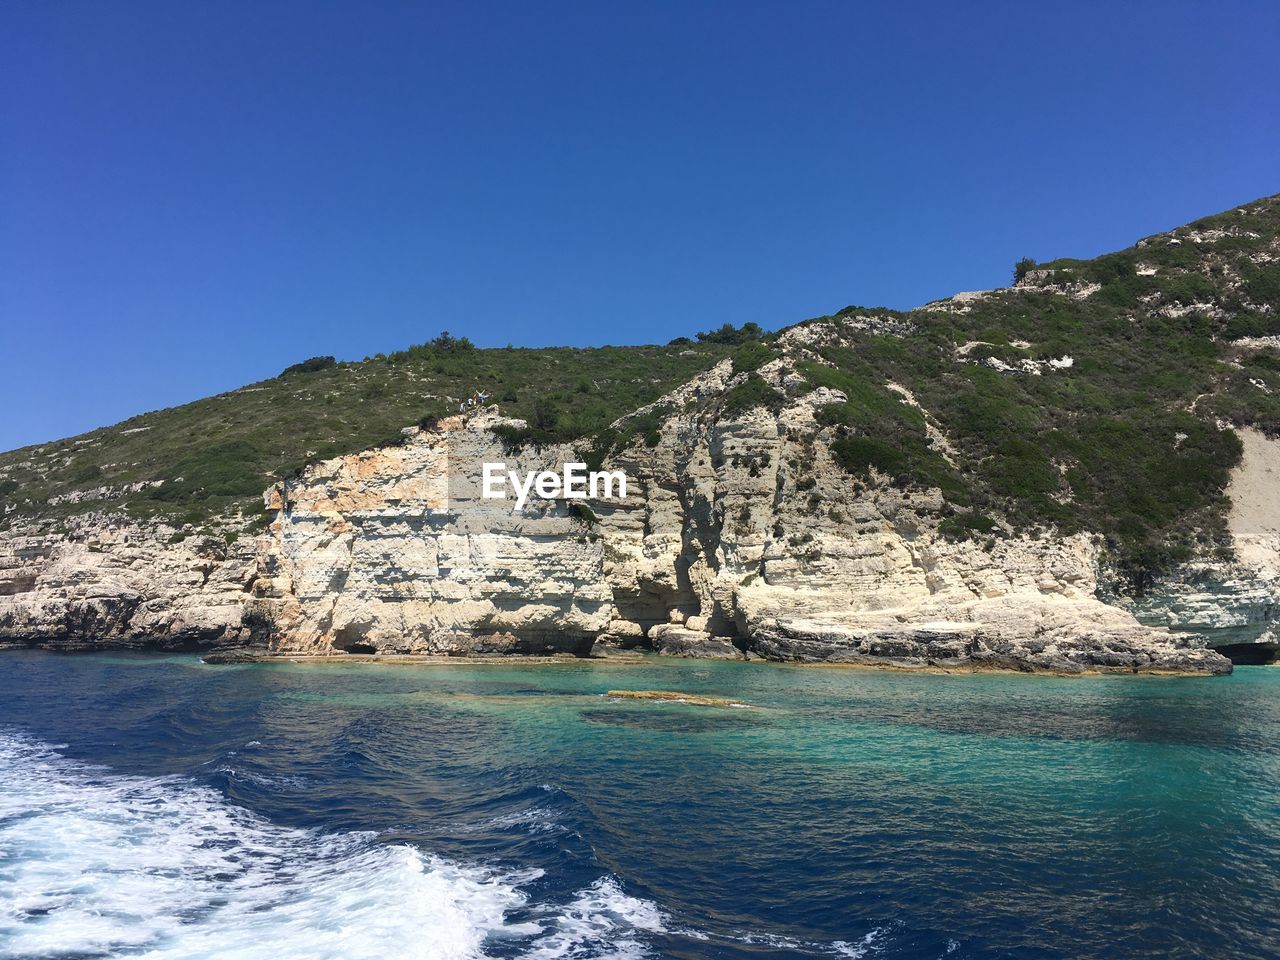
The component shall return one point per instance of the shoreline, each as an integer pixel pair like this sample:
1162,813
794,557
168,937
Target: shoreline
241,656
932,669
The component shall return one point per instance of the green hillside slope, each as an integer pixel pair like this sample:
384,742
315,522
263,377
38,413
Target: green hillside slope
1089,397
218,455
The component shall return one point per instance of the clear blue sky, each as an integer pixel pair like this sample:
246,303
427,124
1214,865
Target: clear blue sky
194,195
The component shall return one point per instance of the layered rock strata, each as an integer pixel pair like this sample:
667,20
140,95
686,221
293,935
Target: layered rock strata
104,581
396,551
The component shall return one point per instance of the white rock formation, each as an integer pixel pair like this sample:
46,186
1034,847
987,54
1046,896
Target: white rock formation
395,551
1233,601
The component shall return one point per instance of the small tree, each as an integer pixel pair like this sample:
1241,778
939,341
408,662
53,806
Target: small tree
313,365
1022,268
545,416
731,335
448,343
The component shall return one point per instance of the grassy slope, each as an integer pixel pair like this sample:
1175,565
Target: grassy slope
1125,442
220,453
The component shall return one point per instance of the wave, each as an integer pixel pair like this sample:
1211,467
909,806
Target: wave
601,921
531,819
94,863
872,943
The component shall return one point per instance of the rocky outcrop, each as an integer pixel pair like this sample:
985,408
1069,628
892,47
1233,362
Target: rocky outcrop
395,551
1019,633
747,529
107,582
1233,601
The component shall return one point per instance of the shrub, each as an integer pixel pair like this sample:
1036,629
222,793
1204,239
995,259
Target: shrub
1262,285
1252,325
1022,268
1021,469
963,526
313,365
860,454
580,511
86,472
232,469
1264,360
1112,267
732,336
447,343
545,416
1187,288
1141,565
751,393
751,356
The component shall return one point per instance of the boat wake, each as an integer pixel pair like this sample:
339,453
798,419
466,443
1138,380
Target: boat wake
94,863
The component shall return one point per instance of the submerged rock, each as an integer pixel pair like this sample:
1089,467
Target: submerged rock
226,655
672,696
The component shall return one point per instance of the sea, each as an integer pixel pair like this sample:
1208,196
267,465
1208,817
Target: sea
155,806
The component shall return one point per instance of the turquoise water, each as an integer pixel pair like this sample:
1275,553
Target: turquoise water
158,807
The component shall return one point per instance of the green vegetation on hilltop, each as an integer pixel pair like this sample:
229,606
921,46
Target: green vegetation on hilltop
733,336
218,454
313,365
1122,438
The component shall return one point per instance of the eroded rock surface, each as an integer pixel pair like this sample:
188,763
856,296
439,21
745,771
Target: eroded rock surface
1233,601
107,582
395,551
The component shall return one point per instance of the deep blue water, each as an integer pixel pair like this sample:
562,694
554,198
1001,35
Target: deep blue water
158,807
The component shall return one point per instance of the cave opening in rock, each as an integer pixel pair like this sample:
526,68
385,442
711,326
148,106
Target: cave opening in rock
1250,654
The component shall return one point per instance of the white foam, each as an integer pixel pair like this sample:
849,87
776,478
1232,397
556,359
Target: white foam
855,951
269,781
602,921
872,942
96,863
533,819
93,863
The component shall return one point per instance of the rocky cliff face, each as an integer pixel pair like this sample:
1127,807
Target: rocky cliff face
739,536
395,551
1233,601
746,527
103,581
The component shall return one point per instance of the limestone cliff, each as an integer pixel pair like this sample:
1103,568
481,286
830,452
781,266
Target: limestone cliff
104,581
394,551
1232,600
